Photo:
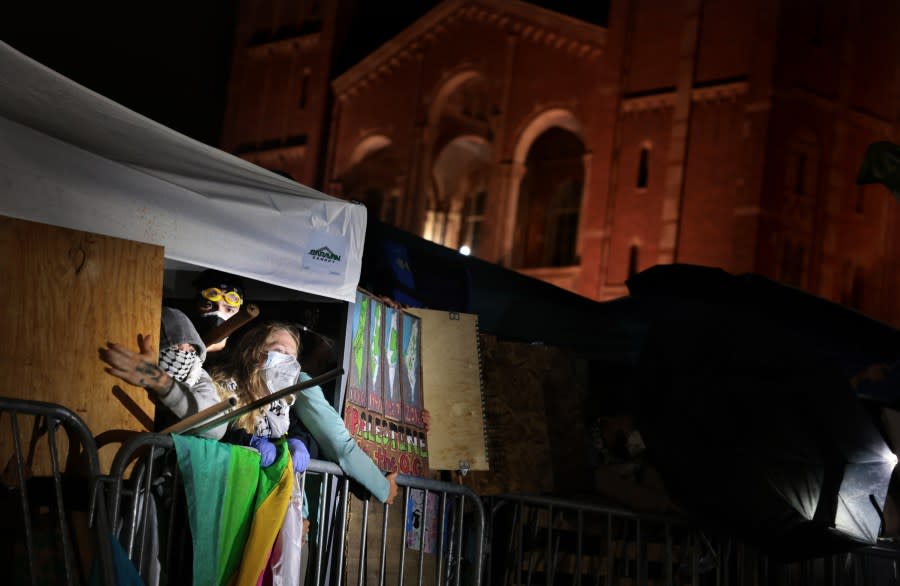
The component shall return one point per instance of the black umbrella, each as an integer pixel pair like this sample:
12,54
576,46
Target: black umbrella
751,420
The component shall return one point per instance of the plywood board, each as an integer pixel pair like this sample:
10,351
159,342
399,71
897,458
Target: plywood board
451,373
67,293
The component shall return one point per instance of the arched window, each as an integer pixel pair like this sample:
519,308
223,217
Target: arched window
643,168
473,219
304,89
549,204
562,224
633,254
857,289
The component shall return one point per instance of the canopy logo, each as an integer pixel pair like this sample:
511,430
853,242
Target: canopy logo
324,254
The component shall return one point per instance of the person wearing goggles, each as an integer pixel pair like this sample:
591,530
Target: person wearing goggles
219,297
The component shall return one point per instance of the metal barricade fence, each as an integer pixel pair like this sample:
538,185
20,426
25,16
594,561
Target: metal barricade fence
543,540
540,540
352,541
53,514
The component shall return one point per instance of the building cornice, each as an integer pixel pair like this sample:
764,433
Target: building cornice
286,47
530,22
275,156
714,92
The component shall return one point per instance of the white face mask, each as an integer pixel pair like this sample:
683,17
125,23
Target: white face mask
280,370
219,314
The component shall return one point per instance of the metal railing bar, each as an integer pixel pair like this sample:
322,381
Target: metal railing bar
262,402
639,570
131,522
322,512
610,566
580,545
423,525
363,535
548,562
386,510
403,538
460,526
561,503
145,500
345,500
443,513
68,555
23,496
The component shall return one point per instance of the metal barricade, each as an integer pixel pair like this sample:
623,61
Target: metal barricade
543,540
345,545
47,418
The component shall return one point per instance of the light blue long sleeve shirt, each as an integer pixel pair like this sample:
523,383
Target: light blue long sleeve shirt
336,443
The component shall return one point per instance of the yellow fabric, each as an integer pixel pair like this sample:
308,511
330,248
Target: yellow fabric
267,522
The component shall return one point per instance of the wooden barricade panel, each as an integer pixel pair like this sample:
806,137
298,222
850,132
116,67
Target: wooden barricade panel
451,373
68,292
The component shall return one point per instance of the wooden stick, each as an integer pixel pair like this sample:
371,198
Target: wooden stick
200,416
248,313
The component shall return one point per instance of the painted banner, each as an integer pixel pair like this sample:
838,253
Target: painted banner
392,391
411,370
376,355
359,355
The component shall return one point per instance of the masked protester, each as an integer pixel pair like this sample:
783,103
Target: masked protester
219,297
181,351
177,382
264,361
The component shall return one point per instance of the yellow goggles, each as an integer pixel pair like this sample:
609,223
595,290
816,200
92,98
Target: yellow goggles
232,298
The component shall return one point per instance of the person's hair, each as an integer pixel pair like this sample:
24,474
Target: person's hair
244,367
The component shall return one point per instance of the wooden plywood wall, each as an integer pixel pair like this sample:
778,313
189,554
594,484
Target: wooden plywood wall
67,293
451,374
536,435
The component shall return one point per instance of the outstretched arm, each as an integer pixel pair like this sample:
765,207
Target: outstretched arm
140,369
337,445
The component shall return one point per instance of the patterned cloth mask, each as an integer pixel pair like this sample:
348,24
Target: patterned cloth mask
182,365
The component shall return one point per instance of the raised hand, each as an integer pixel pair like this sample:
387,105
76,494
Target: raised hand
136,368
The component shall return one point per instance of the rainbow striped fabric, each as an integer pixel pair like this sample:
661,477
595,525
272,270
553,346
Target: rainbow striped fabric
235,508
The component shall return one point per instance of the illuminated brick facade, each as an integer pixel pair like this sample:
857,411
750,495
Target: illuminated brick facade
716,132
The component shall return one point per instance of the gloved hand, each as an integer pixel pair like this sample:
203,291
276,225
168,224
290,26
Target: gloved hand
266,449
299,454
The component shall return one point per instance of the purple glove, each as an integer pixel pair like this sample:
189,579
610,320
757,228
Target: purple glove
266,449
299,454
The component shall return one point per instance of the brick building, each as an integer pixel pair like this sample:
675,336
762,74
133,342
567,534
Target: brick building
716,132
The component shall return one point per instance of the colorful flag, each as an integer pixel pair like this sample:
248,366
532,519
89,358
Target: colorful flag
235,508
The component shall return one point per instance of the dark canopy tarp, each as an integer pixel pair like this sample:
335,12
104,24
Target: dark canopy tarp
747,410
510,305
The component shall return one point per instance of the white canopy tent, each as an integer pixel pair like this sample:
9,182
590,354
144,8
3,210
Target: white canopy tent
70,157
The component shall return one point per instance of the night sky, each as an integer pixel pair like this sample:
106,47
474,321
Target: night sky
171,61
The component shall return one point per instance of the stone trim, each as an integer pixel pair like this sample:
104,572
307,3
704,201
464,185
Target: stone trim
666,98
286,47
536,24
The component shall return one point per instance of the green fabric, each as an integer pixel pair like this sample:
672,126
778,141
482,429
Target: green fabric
220,507
881,164
269,477
236,516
